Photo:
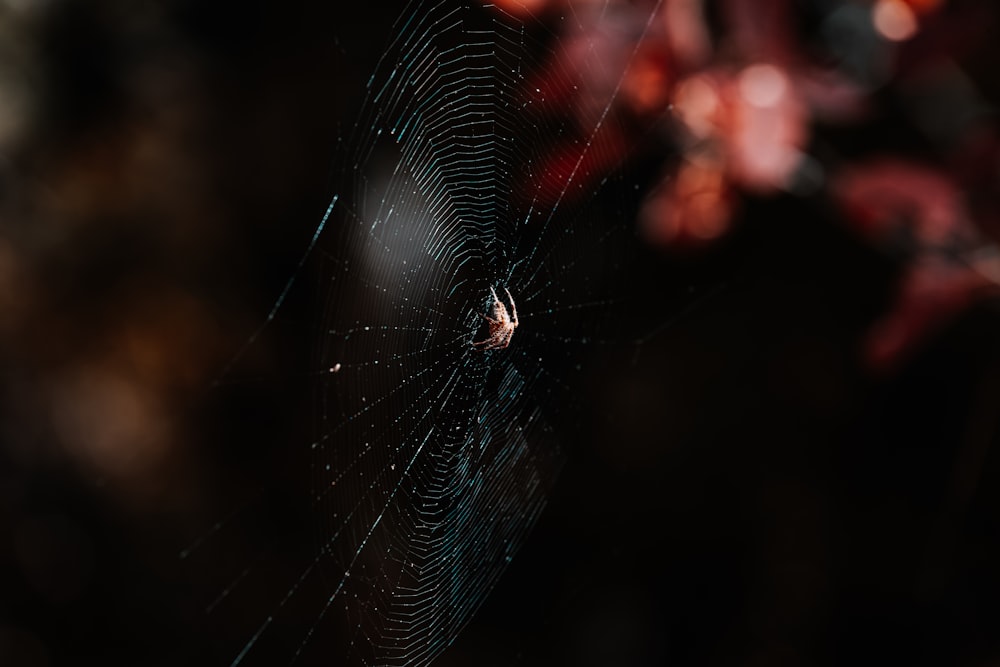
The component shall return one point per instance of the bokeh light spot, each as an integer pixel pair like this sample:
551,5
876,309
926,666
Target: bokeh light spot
695,102
763,85
894,20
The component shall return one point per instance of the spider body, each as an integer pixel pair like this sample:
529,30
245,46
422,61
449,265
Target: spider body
502,324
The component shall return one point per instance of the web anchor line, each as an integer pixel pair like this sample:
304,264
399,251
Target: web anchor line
281,297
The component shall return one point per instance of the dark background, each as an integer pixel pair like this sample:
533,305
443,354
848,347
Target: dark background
741,489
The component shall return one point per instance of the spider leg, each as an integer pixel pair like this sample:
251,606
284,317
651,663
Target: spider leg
493,292
513,308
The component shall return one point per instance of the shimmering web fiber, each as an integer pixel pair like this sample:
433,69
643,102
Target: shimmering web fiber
433,459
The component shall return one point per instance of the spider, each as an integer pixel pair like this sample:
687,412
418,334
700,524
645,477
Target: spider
502,325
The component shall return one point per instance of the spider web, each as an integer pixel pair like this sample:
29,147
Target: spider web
433,459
